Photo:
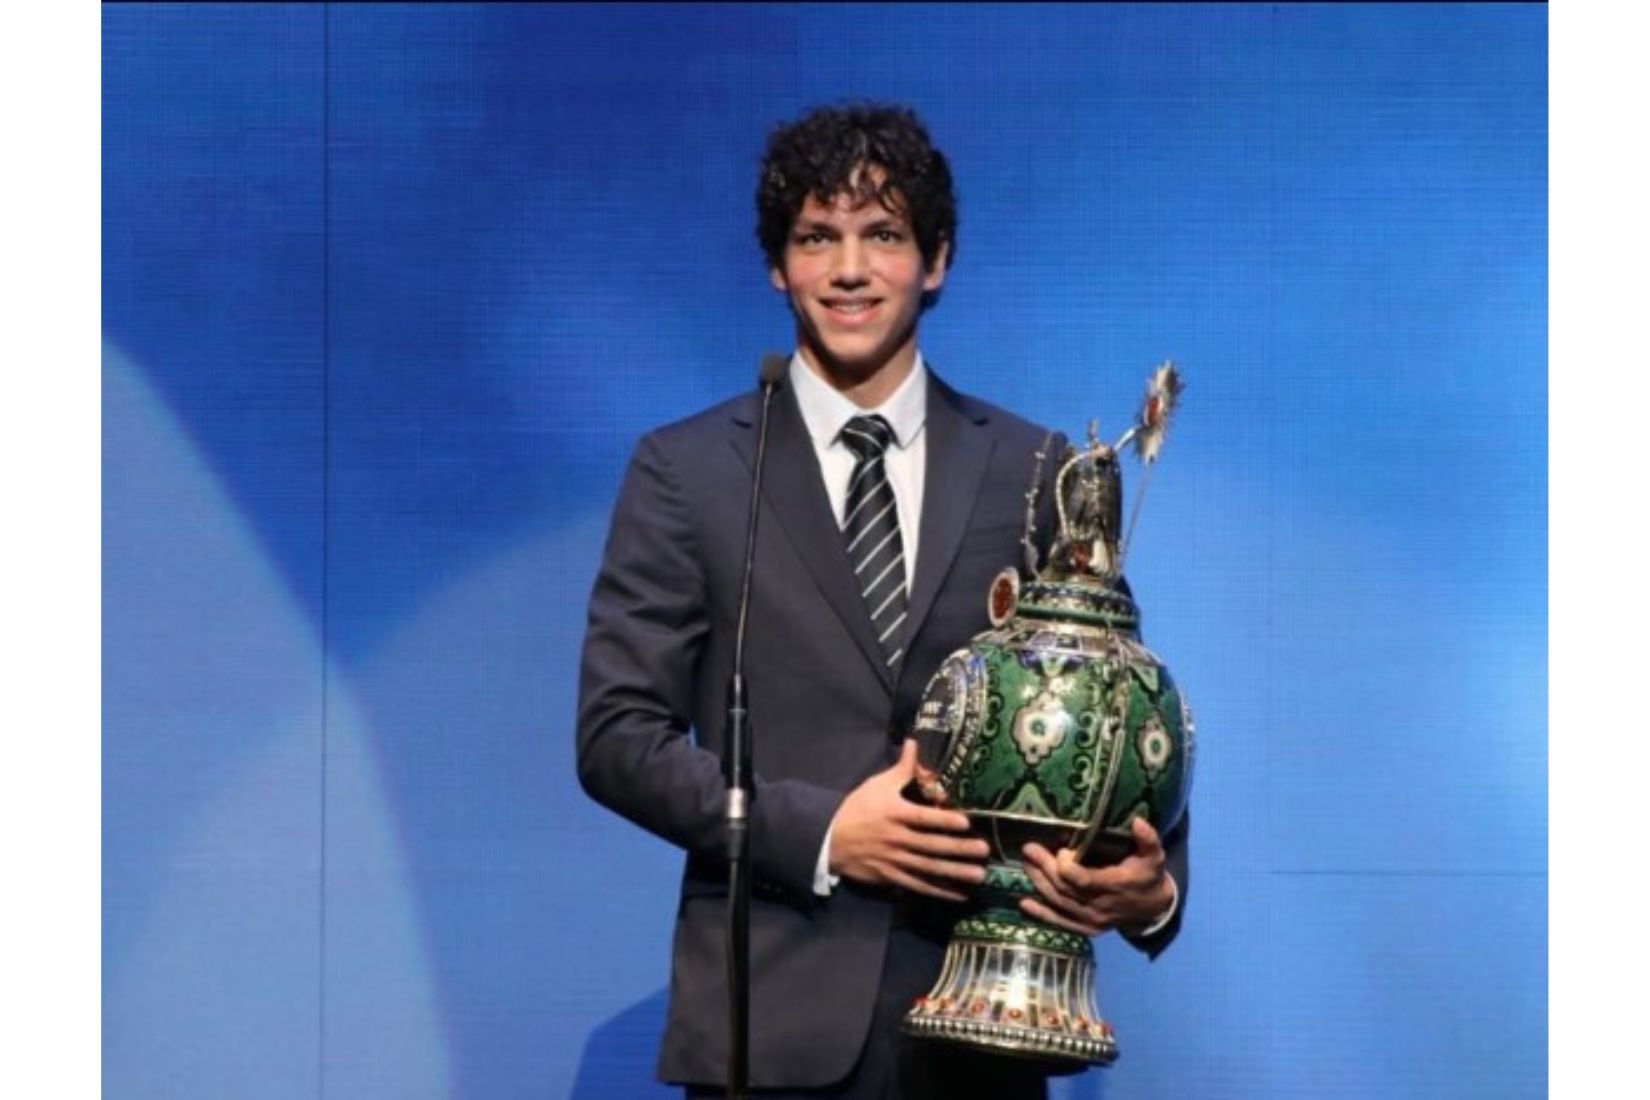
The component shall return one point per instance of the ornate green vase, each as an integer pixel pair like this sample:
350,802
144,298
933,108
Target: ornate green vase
1056,726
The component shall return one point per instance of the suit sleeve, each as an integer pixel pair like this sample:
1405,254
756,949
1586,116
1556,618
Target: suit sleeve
649,628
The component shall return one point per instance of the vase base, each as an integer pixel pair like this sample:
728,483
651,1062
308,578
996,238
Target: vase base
1016,987
1073,1052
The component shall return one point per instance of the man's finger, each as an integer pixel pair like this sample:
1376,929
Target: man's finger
1077,909
1053,895
1036,854
929,868
1146,841
1089,881
1072,879
906,766
939,844
1041,872
920,886
931,818
1032,907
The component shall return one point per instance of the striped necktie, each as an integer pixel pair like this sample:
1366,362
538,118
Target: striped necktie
870,525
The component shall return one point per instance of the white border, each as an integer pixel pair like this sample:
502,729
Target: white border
1597,501
50,797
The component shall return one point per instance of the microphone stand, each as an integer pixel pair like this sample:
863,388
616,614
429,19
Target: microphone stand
736,769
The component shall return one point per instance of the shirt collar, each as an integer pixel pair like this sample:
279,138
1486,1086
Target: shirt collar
825,411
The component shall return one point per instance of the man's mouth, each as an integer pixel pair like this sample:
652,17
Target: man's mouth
851,307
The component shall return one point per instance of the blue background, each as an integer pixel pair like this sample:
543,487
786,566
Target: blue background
389,293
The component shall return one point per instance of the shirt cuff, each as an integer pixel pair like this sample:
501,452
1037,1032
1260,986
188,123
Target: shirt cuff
825,882
1161,922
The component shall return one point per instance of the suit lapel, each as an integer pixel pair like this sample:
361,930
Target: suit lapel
793,492
958,452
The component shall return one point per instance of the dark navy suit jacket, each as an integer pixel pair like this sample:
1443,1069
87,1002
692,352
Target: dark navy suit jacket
827,713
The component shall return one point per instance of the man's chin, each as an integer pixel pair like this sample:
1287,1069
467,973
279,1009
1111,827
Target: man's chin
852,366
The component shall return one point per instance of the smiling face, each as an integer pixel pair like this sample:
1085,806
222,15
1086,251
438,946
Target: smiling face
856,281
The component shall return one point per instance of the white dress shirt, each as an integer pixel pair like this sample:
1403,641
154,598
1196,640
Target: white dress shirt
825,411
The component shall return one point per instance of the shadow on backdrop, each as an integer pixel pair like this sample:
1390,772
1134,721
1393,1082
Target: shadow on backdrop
619,1056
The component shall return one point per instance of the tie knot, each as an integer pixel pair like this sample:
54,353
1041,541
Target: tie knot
867,436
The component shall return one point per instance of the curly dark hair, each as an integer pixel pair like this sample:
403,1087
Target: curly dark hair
821,155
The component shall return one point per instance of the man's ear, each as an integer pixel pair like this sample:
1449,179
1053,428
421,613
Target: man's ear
935,278
777,278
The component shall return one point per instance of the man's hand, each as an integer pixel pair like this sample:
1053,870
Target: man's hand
1131,894
880,837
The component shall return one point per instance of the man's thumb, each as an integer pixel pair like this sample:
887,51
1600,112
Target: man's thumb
906,766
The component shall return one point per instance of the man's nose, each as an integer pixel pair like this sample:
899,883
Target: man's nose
850,266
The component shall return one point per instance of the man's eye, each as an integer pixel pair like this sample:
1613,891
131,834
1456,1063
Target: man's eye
889,236
815,237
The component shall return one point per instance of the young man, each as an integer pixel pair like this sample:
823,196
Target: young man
890,501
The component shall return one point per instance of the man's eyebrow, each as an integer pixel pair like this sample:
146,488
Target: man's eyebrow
876,225
890,222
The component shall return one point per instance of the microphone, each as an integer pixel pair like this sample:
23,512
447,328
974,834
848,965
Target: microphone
736,769
773,370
